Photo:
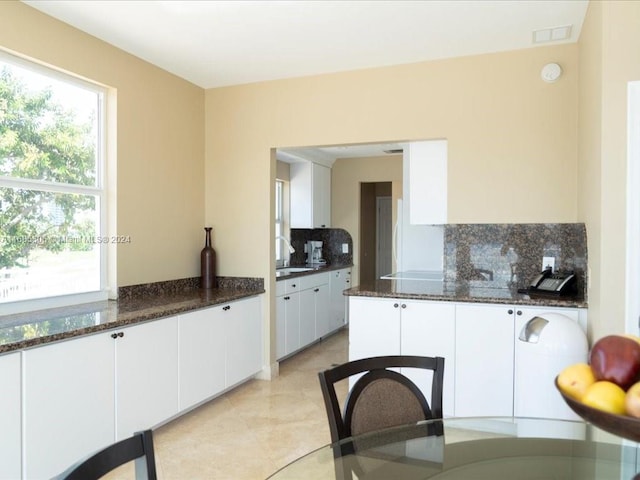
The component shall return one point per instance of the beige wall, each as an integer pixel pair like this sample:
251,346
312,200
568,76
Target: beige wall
159,145
512,141
346,177
609,48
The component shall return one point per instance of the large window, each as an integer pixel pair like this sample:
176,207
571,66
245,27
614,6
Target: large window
52,189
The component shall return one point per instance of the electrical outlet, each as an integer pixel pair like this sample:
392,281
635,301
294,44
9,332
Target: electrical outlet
345,248
549,262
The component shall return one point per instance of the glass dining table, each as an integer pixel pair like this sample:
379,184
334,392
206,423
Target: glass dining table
484,448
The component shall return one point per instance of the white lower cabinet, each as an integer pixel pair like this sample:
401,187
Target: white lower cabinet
303,309
218,348
340,280
405,327
287,323
428,329
10,420
477,342
321,298
85,393
307,317
146,375
68,403
374,327
484,360
243,334
201,350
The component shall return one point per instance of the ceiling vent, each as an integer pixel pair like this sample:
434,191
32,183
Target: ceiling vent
554,34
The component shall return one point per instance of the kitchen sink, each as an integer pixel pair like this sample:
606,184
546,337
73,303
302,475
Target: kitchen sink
288,270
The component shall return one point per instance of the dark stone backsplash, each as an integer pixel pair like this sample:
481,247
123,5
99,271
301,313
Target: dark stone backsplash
509,255
332,240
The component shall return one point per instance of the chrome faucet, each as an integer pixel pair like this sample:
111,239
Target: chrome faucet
291,249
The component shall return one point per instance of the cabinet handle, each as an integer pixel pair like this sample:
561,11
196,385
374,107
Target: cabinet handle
519,312
228,307
293,286
510,312
395,305
286,298
316,290
404,305
116,335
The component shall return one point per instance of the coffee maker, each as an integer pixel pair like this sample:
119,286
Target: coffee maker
314,253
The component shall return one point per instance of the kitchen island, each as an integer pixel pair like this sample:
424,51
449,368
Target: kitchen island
475,327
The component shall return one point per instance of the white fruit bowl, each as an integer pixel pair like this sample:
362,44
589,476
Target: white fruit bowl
621,425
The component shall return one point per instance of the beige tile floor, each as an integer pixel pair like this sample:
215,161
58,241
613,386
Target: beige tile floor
255,429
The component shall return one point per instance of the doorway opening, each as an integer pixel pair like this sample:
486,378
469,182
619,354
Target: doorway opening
376,230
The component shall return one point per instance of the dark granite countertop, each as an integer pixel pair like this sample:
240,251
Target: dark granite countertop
24,330
464,291
314,269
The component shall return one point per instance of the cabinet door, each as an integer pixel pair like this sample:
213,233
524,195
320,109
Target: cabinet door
374,327
484,360
10,420
339,283
201,348
243,324
146,375
307,317
322,310
281,326
68,403
428,329
321,196
292,322
310,190
301,195
425,176
535,394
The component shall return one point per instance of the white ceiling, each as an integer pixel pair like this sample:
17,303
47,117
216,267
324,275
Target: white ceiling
220,43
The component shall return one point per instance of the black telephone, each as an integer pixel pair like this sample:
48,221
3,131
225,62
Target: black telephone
559,283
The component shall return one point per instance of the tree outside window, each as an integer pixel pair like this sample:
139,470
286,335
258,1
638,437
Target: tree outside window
51,183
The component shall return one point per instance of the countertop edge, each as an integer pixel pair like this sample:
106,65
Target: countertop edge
132,317
517,299
317,269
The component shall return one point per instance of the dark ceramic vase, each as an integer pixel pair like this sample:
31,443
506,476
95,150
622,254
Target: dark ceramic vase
208,263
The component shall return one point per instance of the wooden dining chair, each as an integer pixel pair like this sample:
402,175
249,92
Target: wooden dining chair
138,448
380,398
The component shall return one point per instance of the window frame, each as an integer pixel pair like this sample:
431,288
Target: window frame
99,189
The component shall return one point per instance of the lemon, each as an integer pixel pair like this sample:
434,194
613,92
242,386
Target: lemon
575,379
605,396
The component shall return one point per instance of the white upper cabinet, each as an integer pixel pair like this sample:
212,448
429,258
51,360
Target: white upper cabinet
425,182
310,195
